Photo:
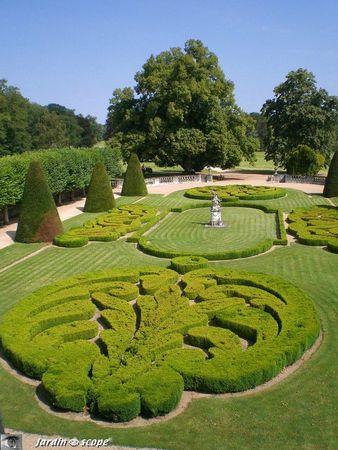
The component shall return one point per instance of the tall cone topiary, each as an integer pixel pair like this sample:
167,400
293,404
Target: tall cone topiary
134,183
331,183
39,219
100,194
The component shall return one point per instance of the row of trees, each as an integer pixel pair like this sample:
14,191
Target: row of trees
182,111
67,171
28,126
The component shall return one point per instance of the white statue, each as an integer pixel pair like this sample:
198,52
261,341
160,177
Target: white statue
216,212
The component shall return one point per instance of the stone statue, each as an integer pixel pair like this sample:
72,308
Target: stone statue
216,212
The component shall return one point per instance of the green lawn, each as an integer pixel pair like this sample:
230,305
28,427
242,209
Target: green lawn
13,253
298,413
185,232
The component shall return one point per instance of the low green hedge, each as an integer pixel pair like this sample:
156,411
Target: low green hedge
233,193
138,364
184,264
135,237
109,227
316,226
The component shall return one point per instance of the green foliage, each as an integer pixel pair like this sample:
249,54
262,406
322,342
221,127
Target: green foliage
39,219
100,196
182,111
302,160
142,367
135,237
331,183
233,193
184,264
66,169
133,183
315,226
108,227
299,114
28,126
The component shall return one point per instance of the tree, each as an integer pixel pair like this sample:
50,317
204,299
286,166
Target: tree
91,131
260,128
14,121
100,195
182,93
331,183
133,183
302,160
299,114
48,131
39,220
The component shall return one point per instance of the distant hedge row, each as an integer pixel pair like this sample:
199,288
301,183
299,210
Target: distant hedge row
67,170
233,193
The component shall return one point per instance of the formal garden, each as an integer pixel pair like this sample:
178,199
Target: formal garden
182,303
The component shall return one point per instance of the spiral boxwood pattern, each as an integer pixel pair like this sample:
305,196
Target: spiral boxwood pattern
233,193
128,342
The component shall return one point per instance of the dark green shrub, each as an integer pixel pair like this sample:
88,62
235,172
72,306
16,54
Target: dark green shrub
184,264
100,195
133,183
303,160
331,183
39,219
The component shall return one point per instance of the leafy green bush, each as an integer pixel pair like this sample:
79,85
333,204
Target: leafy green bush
233,193
108,227
184,264
331,183
100,196
133,183
140,365
39,219
303,160
317,225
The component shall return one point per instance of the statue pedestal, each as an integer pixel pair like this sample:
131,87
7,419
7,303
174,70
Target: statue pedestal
216,218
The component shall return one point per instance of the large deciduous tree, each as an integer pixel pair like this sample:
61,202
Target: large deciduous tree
299,114
182,111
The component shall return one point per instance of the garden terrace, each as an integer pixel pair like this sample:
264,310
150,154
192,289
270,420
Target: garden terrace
137,364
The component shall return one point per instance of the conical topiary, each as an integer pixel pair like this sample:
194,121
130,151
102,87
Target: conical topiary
100,195
331,183
134,184
39,220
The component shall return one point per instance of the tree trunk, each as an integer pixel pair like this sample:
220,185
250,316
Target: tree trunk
59,198
72,196
5,215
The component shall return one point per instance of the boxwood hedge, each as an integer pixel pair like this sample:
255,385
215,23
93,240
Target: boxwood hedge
315,226
110,226
138,363
233,193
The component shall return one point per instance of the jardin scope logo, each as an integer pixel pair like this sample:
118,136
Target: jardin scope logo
9,441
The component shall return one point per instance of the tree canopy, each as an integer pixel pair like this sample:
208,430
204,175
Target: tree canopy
299,114
182,111
29,126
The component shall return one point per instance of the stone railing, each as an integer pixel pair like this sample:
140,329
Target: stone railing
171,179
319,179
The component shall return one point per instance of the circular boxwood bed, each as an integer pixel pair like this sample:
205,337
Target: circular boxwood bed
317,225
232,193
245,328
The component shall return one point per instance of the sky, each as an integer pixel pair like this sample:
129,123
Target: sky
76,52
